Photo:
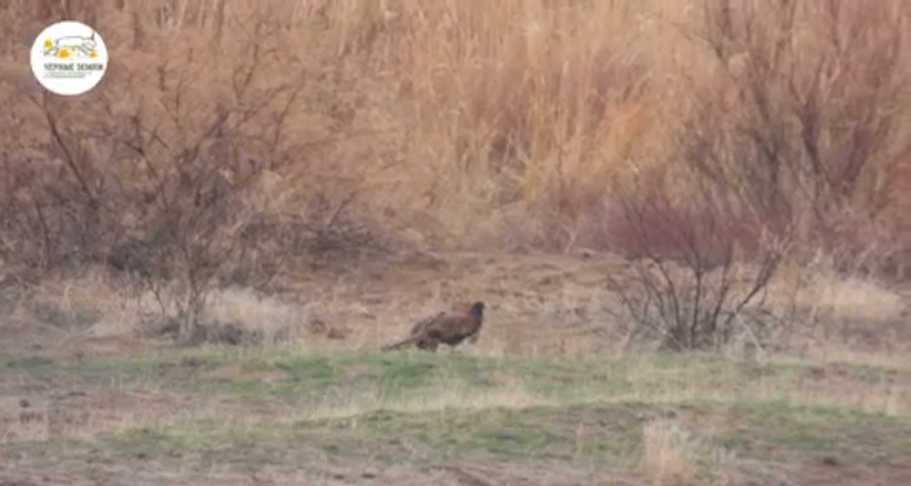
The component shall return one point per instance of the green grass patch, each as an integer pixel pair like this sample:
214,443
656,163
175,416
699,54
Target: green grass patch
425,408
607,434
297,376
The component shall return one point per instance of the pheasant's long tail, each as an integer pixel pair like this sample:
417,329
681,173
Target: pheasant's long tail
417,332
401,344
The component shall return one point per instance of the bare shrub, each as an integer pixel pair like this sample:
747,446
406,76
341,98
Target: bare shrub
763,158
696,265
160,174
804,116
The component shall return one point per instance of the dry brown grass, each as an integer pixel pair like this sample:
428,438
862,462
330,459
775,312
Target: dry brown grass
839,298
672,456
417,102
455,124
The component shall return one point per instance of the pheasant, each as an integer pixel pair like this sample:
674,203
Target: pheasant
450,328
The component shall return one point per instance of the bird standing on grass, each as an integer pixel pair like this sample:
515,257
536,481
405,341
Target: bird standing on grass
450,328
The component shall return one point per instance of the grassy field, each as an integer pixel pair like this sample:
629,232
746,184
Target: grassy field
549,396
289,415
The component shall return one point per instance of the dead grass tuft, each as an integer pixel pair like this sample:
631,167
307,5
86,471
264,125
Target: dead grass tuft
851,298
672,455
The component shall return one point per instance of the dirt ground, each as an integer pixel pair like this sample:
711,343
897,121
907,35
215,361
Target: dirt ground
536,304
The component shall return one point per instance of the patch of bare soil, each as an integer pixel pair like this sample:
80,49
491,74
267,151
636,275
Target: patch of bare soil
34,409
831,472
536,304
99,470
824,472
24,340
547,304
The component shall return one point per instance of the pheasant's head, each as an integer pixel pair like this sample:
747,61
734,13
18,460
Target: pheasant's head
477,310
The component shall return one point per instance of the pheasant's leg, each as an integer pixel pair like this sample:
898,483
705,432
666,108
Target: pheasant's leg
426,345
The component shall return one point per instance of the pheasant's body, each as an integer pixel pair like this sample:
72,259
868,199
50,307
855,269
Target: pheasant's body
450,328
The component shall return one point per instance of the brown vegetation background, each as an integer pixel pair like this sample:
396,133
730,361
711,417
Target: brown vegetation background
466,124
227,137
